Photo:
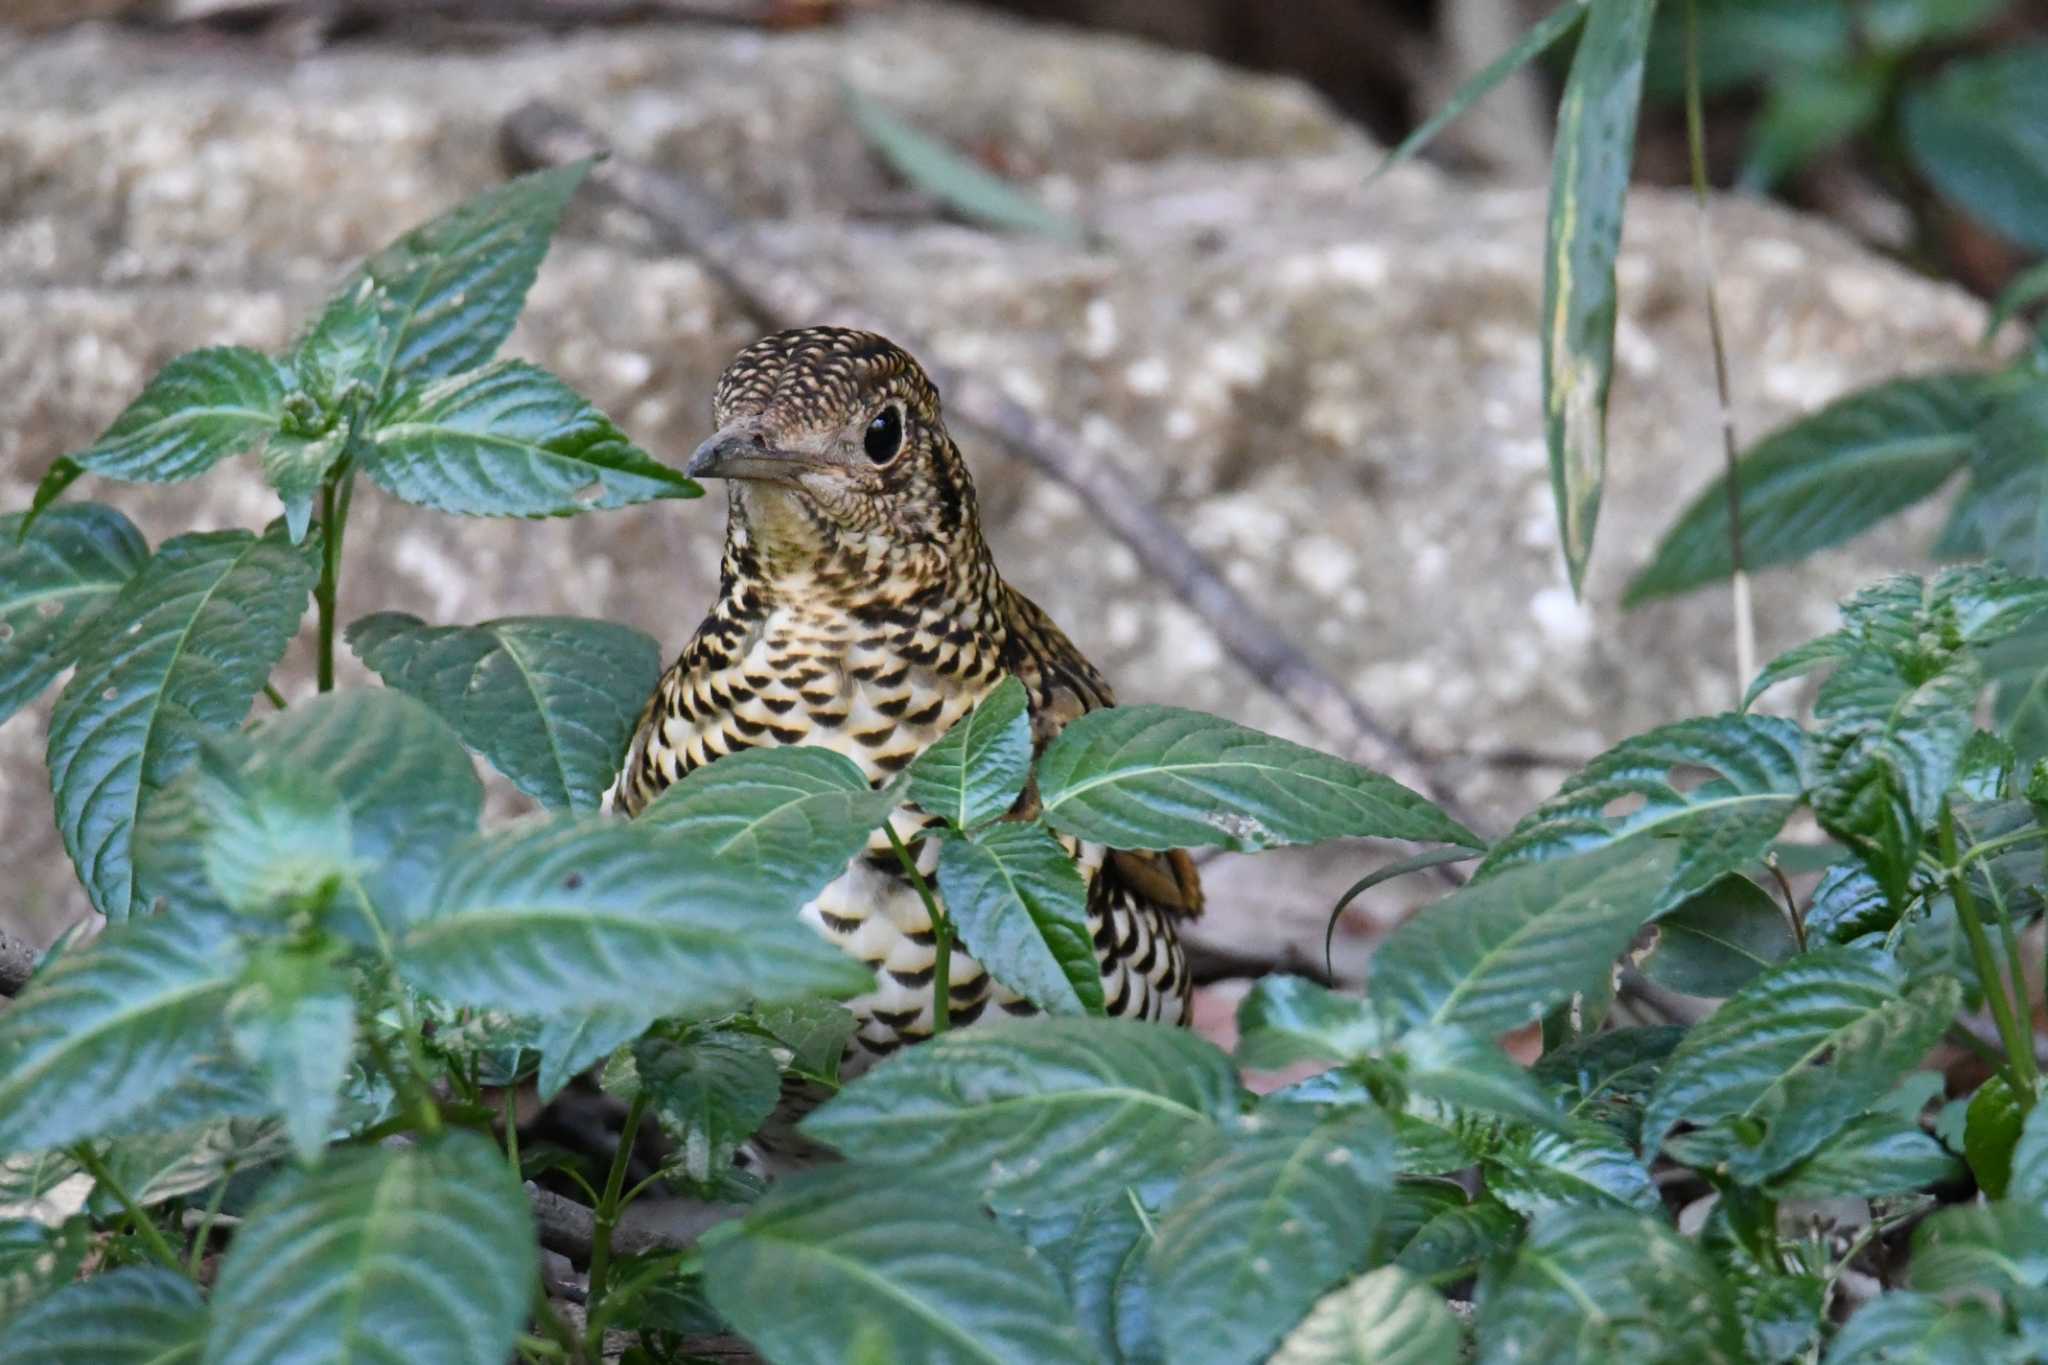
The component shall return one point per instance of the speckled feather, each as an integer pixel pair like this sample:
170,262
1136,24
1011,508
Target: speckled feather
859,609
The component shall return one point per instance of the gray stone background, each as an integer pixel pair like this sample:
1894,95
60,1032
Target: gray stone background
1331,387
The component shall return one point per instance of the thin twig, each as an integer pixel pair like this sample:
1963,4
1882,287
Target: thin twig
780,294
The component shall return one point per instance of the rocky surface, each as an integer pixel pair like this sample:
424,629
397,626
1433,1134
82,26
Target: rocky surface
1332,387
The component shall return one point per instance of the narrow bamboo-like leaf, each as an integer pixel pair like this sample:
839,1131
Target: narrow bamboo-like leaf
1159,777
562,917
549,700
1498,953
1720,938
1823,479
140,1315
1979,132
183,647
1022,910
1039,1111
294,1022
974,773
570,1044
54,582
955,181
793,815
1284,1207
839,1266
95,1039
1721,824
445,295
423,1254
510,440
198,410
1538,39
1596,138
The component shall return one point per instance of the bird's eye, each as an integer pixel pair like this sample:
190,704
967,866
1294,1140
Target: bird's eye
885,435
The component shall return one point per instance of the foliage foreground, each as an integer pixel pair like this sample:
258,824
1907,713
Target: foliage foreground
279,1067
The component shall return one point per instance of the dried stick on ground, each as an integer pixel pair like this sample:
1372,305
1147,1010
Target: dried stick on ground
779,293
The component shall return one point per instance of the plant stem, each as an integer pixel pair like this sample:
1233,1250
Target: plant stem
205,1232
512,1125
152,1235
335,496
942,934
276,697
609,1207
2021,1071
1791,901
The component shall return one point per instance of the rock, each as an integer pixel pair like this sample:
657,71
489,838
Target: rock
1331,385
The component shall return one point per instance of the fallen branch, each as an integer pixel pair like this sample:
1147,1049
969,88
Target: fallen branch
782,295
646,1225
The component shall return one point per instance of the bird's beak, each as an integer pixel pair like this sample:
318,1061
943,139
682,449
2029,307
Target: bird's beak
741,453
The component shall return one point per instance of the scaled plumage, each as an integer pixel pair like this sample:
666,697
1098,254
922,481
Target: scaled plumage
859,609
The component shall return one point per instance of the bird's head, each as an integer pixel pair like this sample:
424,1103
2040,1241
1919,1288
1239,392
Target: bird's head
833,444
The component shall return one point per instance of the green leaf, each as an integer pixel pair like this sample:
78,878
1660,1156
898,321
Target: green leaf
1498,953
511,440
409,789
1847,904
36,1260
1799,661
1470,1074
183,648
2000,514
1621,1065
1996,1248
294,1022
570,1044
793,816
1099,1255
54,583
710,1090
1538,39
1823,480
295,466
1587,1164
1283,1208
1753,1061
62,473
446,294
1718,941
275,833
1021,907
1283,1020
2018,671
1904,1328
2023,291
198,410
816,1033
1036,1111
549,700
568,916
837,1266
1456,1242
1384,1317
142,1315
1596,138
973,774
1807,116
1722,823
2029,1170
1979,132
177,1162
97,1037
1877,1155
955,181
423,1254
1993,1130
1158,777
1594,1285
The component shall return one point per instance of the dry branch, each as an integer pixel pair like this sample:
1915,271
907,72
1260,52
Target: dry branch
780,294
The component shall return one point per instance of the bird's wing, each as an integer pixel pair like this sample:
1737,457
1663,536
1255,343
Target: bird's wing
1063,685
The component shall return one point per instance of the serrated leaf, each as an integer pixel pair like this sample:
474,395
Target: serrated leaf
1596,138
1991,1133
1753,1061
1822,480
295,466
1021,907
1847,904
54,582
274,832
1998,1248
1720,938
1039,1111
2018,670
141,1315
974,772
1592,1285
93,1040
2000,514
1283,1020
436,1236
1875,1156
566,916
1283,1208
445,294
1619,1065
836,1266
1585,1164
174,1163
201,408
1470,1074
570,1044
1904,1328
1157,777
2029,1182
1098,1253
816,1033
794,816
710,1090
1384,1317
549,700
960,184
1456,1242
183,648
1976,131
1721,824
510,440
1498,953
294,1022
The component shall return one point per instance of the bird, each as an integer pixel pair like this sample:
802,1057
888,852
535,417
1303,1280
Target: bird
860,609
